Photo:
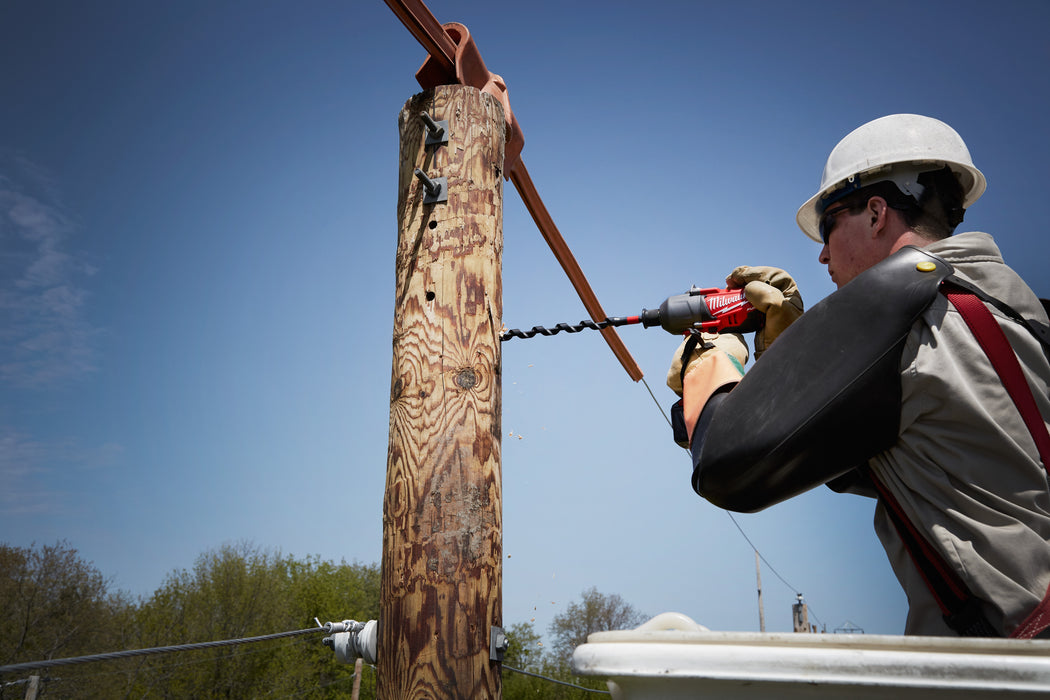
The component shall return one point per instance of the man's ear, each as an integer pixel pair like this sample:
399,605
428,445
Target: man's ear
878,212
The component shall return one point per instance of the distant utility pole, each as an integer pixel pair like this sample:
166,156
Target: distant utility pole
355,690
33,688
761,610
441,592
800,615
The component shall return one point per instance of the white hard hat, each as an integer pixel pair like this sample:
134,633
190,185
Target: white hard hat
895,148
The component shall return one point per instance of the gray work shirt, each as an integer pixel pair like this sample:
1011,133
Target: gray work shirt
965,468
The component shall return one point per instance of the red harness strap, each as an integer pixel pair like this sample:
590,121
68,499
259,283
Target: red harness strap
961,609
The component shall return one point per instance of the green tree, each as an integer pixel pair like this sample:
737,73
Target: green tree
333,592
526,648
525,653
240,591
233,592
53,604
596,612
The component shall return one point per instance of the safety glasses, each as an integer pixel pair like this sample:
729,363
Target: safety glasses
827,221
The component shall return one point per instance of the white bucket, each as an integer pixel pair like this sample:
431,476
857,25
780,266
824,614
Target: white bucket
672,657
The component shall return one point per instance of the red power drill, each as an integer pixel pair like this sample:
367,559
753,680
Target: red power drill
713,310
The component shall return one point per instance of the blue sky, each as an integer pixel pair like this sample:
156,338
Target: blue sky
197,234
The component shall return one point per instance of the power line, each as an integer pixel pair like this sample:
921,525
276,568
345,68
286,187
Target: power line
164,667
730,514
110,656
770,567
760,555
554,680
664,413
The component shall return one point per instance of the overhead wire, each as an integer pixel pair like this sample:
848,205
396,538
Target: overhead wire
657,402
770,567
760,555
165,667
128,653
555,680
159,668
730,514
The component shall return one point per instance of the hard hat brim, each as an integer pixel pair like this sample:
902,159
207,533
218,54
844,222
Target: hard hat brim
808,216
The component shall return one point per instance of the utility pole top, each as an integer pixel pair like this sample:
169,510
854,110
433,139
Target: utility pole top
800,616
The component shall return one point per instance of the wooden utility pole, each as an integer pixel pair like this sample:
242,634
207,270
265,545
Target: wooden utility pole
442,511
33,688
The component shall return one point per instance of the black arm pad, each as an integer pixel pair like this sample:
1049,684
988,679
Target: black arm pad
824,398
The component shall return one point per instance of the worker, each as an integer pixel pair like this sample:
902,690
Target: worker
882,389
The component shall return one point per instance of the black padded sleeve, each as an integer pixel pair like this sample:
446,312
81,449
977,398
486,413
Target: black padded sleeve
824,398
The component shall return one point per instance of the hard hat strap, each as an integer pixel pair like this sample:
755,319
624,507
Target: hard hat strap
906,180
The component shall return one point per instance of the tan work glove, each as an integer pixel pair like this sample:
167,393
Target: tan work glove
731,344
774,293
706,371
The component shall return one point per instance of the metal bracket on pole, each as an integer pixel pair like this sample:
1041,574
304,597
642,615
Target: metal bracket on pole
498,644
435,189
437,131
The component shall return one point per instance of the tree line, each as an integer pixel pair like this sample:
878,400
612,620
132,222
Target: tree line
53,605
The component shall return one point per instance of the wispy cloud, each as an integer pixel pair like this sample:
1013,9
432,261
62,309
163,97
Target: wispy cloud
29,469
45,337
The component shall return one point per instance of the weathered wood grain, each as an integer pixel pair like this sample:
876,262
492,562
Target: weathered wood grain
442,509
